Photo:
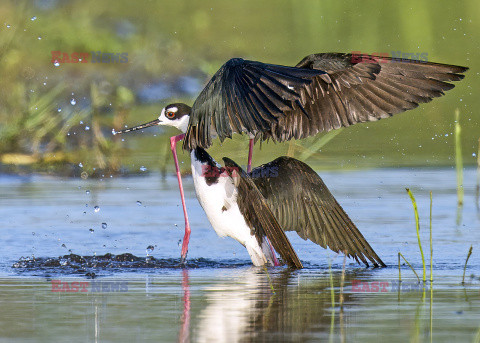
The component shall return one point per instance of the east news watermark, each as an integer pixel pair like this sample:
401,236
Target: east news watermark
94,286
389,57
213,171
61,57
361,286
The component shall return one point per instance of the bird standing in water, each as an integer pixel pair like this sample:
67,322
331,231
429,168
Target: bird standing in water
322,92
257,207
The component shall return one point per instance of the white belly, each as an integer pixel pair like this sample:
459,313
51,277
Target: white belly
219,201
221,208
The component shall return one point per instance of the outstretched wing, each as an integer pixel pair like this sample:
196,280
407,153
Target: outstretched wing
301,202
258,215
323,92
356,89
245,96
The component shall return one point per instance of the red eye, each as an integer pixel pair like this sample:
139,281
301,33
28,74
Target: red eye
170,115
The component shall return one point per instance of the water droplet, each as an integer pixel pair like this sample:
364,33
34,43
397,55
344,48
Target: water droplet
142,168
59,109
56,63
91,230
474,154
33,233
87,192
81,122
64,246
73,101
139,203
104,226
87,128
39,37
96,209
80,165
114,132
44,83
150,249
179,242
33,18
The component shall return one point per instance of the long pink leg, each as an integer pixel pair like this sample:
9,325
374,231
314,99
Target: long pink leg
186,238
249,169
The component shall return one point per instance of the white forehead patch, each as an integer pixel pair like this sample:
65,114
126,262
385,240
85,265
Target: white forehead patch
181,124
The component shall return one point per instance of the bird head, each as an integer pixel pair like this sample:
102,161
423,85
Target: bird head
176,115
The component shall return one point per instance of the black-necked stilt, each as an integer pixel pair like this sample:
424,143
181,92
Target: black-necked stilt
322,92
285,194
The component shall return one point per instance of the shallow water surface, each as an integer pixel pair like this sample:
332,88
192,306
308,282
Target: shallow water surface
77,262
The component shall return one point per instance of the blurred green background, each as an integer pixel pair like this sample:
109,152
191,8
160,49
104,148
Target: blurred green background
58,118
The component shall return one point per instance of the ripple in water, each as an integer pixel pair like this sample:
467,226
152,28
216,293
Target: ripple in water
76,264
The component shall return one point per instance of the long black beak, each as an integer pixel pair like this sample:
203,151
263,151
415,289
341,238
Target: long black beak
139,127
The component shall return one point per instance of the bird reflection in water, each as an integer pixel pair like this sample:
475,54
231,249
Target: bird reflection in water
244,308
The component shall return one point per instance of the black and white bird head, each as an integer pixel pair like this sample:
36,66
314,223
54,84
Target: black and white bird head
176,115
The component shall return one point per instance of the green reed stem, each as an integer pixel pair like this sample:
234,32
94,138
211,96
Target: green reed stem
332,295
458,157
417,224
400,254
399,269
478,177
269,279
466,261
431,245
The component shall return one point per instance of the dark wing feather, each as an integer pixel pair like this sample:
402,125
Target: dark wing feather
301,202
258,215
245,96
323,92
364,90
